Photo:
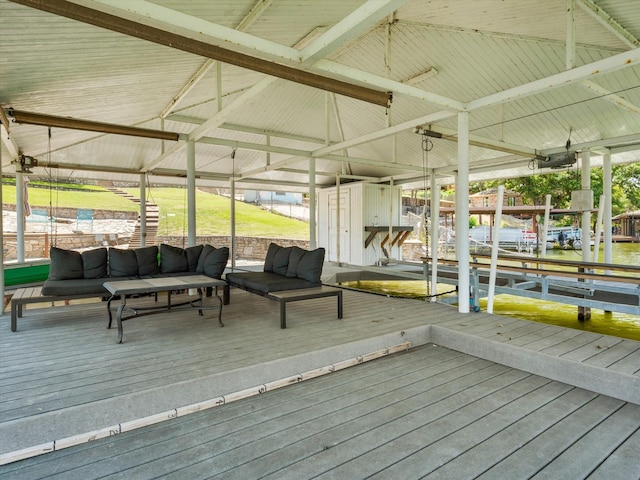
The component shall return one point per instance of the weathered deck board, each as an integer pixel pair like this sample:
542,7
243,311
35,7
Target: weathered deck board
430,412
64,362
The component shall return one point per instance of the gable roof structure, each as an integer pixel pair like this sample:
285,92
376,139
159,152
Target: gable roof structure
263,86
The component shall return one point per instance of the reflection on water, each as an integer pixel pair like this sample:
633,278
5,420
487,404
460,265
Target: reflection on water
622,254
616,324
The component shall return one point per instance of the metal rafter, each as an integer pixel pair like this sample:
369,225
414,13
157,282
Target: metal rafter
349,28
246,22
609,23
562,79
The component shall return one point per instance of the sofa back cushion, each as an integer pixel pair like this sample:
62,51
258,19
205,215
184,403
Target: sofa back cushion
294,258
65,264
277,259
310,265
281,260
268,260
94,263
147,258
122,263
173,259
193,255
213,261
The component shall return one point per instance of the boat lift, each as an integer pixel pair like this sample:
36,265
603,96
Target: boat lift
609,287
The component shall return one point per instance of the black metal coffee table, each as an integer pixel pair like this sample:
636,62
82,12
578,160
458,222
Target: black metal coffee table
126,288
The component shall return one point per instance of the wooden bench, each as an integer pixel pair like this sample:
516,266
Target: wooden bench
285,296
27,295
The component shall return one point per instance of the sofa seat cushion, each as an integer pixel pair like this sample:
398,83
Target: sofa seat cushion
266,282
78,286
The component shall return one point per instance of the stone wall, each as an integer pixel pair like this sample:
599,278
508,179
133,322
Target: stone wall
37,245
72,213
247,248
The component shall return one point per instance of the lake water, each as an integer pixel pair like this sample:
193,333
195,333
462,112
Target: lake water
617,324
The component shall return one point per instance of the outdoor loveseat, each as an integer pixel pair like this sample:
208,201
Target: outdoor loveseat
289,274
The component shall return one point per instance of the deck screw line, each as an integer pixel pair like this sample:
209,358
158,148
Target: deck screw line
119,428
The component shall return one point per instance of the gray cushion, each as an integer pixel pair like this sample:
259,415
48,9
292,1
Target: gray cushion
193,255
265,282
268,260
173,259
147,258
122,263
78,286
65,264
94,263
206,250
214,261
310,265
296,255
281,260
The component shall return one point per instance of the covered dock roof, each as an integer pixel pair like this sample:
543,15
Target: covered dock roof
262,87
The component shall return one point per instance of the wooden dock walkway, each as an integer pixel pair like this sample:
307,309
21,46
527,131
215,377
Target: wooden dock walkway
477,395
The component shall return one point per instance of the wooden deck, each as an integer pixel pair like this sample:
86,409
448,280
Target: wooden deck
506,398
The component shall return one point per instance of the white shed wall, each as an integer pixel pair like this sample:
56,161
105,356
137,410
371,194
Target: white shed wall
361,205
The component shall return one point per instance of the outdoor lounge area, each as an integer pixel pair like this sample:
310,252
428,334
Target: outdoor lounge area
355,106
473,394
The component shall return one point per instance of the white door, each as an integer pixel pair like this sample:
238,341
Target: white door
338,250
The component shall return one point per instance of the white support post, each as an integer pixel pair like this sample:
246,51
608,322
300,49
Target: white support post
20,220
586,216
313,234
494,249
462,213
390,232
218,86
338,226
435,222
596,241
570,53
545,230
191,192
233,221
143,210
607,191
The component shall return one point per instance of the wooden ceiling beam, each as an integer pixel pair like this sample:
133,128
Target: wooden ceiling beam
181,42
88,125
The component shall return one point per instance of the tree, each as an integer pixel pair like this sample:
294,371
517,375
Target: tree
534,189
627,178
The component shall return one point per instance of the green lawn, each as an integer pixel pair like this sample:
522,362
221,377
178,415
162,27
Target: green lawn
101,199
213,215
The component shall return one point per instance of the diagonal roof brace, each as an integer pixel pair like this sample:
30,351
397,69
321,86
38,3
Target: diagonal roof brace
181,42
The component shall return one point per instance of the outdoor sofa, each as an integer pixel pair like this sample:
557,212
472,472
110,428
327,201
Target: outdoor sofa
285,268
84,273
74,274
289,274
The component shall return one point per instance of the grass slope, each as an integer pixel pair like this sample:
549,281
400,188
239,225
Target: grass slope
213,212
